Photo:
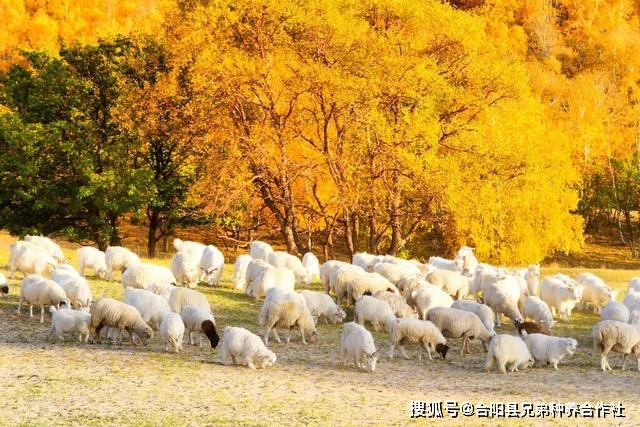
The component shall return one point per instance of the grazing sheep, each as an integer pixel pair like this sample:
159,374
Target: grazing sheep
466,261
70,322
322,306
185,270
4,287
117,314
454,323
75,286
29,259
545,348
365,261
503,297
273,277
615,311
328,268
369,283
454,283
119,258
595,291
531,275
340,280
528,327
396,273
508,351
260,250
241,347
172,331
422,332
198,320
93,258
312,265
181,298
357,343
444,264
560,294
189,247
632,301
483,311
634,285
211,265
634,317
536,309
152,277
49,246
611,335
293,263
254,271
239,278
37,290
152,307
374,311
485,275
427,297
397,303
286,309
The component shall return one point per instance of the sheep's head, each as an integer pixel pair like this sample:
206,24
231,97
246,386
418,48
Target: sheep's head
266,359
4,289
442,349
145,335
368,361
209,329
339,315
570,345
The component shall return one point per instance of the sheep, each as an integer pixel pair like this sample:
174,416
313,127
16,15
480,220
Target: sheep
117,314
452,282
260,250
427,297
508,351
69,321
29,259
322,306
286,309
531,275
241,347
188,247
365,261
340,279
536,309
75,286
418,331
615,311
560,294
254,270
634,317
4,287
38,290
634,285
466,261
529,327
90,257
397,303
326,269
611,335
503,296
119,258
369,282
185,270
49,246
444,264
632,301
455,323
595,291
410,267
211,265
198,320
483,311
395,273
172,331
484,275
181,298
239,278
357,343
152,308
312,265
375,311
273,277
155,278
549,349
293,263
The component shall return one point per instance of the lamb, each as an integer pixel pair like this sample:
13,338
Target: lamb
508,351
560,294
90,257
503,296
69,321
119,258
483,311
185,270
260,250
454,323
595,291
155,278
273,277
286,309
49,246
117,314
369,282
311,264
615,311
538,310
357,343
239,278
29,259
211,265
375,311
198,320
611,335
172,331
397,303
41,291
549,349
4,287
75,286
152,308
181,298
322,306
452,282
427,297
241,347
632,301
293,263
634,285
417,331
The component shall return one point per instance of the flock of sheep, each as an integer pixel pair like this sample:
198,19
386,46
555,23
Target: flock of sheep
416,303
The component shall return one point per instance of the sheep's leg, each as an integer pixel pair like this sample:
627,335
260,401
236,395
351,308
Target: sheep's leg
301,333
275,334
465,343
624,360
428,352
42,313
30,310
289,336
250,365
191,338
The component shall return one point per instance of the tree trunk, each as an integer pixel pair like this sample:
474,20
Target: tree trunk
154,223
114,238
348,234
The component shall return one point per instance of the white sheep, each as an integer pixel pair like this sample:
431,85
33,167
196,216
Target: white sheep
549,349
292,262
312,265
615,311
531,275
484,275
152,307
365,261
444,264
503,297
426,297
4,286
117,314
634,285
70,322
422,332
198,320
37,290
90,257
241,347
374,311
274,277
29,259
560,294
49,246
185,269
119,258
634,317
152,277
611,335
508,351
455,323
483,311
452,282
369,283
632,301
341,278
239,278
536,309
260,250
357,343
172,331
189,247
254,271
75,286
397,303
286,309
396,273
466,261
326,269
322,306
211,265
595,291
181,298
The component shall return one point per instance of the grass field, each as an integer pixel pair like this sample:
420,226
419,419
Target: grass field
67,383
